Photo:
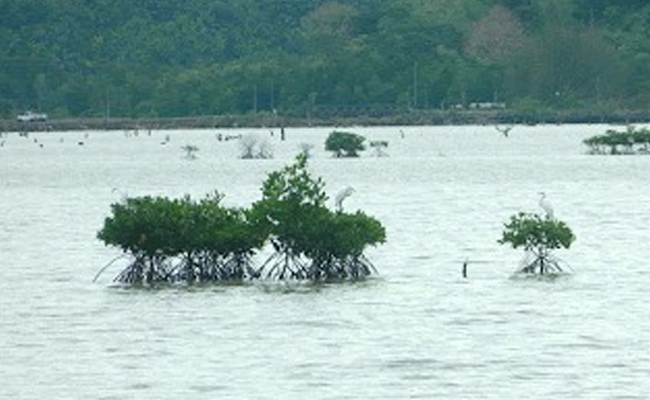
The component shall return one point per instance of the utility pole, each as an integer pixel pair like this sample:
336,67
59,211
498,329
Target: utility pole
107,110
415,84
272,96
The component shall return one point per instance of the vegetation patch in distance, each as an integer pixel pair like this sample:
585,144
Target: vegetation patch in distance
631,141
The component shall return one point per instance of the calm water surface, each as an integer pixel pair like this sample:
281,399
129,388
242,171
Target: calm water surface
417,330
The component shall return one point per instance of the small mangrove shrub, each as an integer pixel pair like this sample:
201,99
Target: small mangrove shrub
344,144
538,236
631,141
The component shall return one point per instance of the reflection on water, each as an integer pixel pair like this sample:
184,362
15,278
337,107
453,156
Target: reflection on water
417,330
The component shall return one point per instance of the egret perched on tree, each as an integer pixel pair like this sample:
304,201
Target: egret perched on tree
342,195
546,205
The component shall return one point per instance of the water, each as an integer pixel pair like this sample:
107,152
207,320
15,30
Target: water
418,330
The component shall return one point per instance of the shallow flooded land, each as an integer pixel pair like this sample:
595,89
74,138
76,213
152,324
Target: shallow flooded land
416,330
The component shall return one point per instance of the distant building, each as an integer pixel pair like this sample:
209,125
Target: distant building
32,117
487,105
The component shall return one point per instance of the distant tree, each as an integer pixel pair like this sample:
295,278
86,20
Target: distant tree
197,58
496,36
251,146
190,151
344,144
631,141
329,26
564,66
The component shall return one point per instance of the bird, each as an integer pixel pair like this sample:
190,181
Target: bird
342,195
546,205
505,130
465,269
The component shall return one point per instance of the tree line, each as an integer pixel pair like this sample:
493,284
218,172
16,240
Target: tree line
165,58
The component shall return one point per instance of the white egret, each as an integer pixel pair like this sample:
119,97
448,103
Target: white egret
342,195
546,205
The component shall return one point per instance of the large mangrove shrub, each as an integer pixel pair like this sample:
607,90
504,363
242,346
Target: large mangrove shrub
631,141
309,240
171,240
538,236
344,144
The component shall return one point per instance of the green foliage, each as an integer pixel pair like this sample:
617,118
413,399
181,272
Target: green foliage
294,185
340,235
631,141
291,199
182,239
197,57
344,144
311,241
204,237
537,234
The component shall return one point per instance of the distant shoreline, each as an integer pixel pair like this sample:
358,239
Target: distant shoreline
262,120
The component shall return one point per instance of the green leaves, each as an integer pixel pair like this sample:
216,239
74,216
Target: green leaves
632,141
161,226
184,239
293,212
344,144
537,234
333,58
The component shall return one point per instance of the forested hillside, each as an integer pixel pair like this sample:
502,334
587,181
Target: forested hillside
167,58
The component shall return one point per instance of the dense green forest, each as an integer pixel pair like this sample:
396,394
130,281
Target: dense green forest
170,58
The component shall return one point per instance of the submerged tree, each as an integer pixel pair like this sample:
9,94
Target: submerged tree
631,141
182,240
252,147
344,144
336,247
172,240
190,151
539,237
310,241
